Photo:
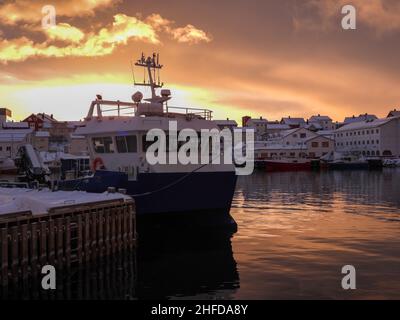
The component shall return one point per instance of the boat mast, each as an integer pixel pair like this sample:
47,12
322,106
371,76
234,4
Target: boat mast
151,64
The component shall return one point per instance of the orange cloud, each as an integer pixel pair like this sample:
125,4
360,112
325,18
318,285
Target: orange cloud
13,12
188,34
104,42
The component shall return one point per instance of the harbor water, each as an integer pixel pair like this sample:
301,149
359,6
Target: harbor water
296,230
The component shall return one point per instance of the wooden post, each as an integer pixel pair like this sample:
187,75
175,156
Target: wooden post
79,238
42,243
60,242
93,235
24,250
34,246
67,242
86,240
51,242
100,228
4,256
14,252
107,228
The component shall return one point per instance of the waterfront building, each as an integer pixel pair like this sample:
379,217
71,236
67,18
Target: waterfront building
260,127
319,122
379,137
11,140
294,122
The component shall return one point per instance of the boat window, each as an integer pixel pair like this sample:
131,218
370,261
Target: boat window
103,145
126,144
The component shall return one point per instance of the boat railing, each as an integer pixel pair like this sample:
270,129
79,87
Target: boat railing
120,108
196,112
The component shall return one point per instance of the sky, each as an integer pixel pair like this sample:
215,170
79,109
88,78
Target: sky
269,58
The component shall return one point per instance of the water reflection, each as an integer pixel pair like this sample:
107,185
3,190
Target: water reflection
187,265
297,230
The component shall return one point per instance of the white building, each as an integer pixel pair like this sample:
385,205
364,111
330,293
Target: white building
321,122
294,122
380,137
298,142
260,127
11,140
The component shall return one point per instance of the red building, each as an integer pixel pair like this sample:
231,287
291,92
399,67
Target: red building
37,121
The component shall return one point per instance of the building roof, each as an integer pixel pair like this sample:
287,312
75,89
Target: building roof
394,113
366,124
361,117
16,135
43,116
226,122
15,125
293,121
257,120
320,118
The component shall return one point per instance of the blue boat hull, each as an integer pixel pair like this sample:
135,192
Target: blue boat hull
194,195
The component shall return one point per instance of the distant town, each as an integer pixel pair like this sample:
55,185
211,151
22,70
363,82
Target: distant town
313,138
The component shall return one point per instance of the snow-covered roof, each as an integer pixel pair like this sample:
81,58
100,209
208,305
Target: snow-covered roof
76,136
15,125
16,135
361,117
14,200
293,121
365,124
320,118
225,122
278,126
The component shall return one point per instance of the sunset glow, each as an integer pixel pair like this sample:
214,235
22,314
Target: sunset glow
280,58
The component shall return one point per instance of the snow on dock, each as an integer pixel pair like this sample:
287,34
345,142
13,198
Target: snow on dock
14,200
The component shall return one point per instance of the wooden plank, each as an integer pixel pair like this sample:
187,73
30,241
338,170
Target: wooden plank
86,241
34,246
24,250
43,243
4,256
14,252
60,242
79,249
93,236
112,231
124,227
100,227
118,229
107,230
67,243
51,242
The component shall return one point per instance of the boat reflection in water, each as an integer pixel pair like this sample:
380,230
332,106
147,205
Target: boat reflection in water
192,265
169,265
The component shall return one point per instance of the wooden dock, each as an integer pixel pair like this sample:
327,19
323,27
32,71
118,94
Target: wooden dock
76,235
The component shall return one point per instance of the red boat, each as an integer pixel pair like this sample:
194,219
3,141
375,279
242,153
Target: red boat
288,165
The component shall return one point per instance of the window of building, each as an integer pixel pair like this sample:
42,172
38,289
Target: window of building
303,135
325,144
103,145
314,144
8,148
295,136
377,130
377,141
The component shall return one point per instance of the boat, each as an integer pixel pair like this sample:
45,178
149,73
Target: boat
287,164
344,161
117,148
